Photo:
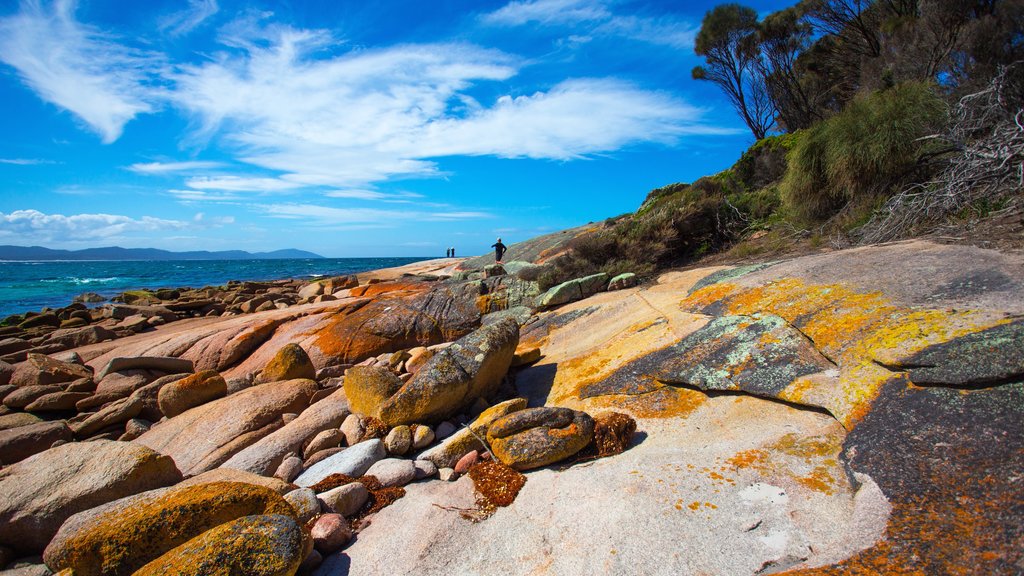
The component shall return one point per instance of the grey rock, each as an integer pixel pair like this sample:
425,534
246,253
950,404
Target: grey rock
424,469
305,503
346,500
393,471
353,461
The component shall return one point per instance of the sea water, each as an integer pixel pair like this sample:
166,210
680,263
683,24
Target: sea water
28,286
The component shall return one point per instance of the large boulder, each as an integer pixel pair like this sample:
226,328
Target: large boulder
470,368
41,492
41,369
419,317
264,545
120,537
191,391
264,456
368,387
71,337
25,395
537,437
19,443
168,364
290,362
206,436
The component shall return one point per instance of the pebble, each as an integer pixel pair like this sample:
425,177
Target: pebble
444,430
398,440
325,439
305,503
346,500
424,469
330,532
447,474
289,469
464,463
353,428
393,471
422,437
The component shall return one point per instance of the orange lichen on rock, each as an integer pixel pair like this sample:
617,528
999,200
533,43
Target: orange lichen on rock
854,329
369,290
122,540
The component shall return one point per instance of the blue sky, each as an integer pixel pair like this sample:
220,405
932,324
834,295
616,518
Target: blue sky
392,128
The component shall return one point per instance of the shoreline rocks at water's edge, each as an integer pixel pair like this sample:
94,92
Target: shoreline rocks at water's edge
644,351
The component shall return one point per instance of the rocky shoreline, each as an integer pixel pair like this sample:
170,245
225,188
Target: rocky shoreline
439,420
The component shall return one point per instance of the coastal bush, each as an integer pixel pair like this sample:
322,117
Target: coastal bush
862,152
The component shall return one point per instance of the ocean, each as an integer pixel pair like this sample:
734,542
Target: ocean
28,286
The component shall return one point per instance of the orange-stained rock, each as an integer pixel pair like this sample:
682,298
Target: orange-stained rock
120,537
289,363
42,491
205,436
536,437
455,377
368,387
191,391
265,545
396,322
386,287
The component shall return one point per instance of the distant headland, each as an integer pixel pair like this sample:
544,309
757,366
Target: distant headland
8,252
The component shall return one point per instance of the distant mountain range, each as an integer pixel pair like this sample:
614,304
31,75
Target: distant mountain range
118,253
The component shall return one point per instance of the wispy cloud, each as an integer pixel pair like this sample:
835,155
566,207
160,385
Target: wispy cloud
241,184
184,21
34,226
598,18
173,167
78,67
331,216
548,12
361,117
26,161
203,196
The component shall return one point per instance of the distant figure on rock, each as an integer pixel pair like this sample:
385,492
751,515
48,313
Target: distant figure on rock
453,252
448,253
499,250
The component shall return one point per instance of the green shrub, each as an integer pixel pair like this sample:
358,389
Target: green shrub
860,153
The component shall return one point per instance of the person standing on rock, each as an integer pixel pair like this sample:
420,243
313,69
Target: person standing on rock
499,250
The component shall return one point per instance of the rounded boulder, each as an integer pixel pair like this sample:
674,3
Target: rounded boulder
289,363
264,545
121,537
191,391
536,437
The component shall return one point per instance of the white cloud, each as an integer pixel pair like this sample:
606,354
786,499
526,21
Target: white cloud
598,17
26,161
194,196
241,184
547,12
77,67
359,194
173,167
33,226
184,21
573,119
330,216
347,121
